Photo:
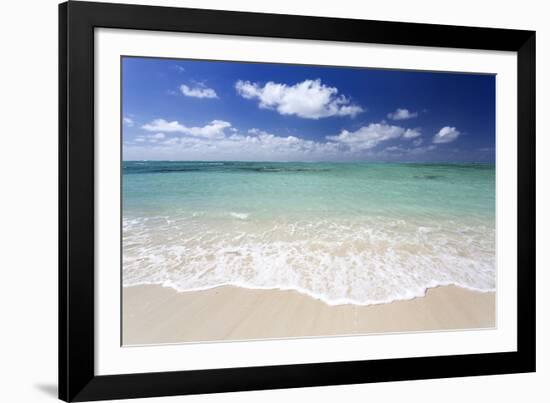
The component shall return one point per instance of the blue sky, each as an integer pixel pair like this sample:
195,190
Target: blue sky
202,110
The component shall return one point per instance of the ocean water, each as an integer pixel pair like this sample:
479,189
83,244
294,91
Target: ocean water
360,233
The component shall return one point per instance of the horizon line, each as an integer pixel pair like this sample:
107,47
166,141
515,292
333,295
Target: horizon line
318,162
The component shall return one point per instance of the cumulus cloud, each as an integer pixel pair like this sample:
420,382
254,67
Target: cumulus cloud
253,145
127,121
402,114
368,137
214,129
447,134
199,91
219,140
411,133
308,99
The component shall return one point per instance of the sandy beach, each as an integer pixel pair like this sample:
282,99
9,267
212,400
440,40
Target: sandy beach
156,315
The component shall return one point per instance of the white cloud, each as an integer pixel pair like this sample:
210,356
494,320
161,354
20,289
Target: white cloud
127,121
447,134
411,133
214,129
370,136
308,99
406,151
165,126
198,92
171,141
259,145
253,145
218,140
151,138
402,114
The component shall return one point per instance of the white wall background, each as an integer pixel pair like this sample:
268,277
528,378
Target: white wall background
28,198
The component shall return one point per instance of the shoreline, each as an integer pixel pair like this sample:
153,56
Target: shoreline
309,294
153,314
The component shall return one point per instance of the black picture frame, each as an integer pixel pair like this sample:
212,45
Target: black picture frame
77,379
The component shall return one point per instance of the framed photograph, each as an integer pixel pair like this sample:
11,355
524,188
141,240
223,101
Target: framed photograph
256,201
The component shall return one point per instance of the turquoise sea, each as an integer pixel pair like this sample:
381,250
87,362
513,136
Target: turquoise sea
361,233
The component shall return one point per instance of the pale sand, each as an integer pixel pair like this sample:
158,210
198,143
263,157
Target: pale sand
155,315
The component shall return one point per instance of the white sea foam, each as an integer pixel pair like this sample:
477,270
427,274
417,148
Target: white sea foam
367,260
240,216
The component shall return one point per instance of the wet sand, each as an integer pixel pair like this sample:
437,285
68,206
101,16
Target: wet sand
156,315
